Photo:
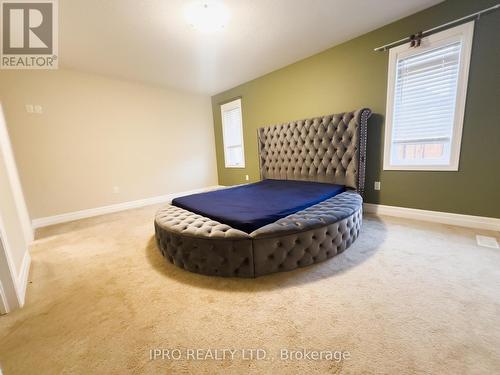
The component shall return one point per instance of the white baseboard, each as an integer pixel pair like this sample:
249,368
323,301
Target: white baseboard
469,221
76,215
480,222
20,283
22,278
4,303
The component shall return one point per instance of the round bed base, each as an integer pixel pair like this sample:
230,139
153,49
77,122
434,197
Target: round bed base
199,244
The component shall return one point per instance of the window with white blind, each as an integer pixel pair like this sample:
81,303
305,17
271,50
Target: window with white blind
232,134
426,101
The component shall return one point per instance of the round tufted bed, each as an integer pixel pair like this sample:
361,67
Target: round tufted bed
329,149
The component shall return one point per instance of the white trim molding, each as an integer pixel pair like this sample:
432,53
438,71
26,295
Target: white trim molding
463,34
228,107
20,285
469,221
22,278
15,282
77,215
17,191
4,303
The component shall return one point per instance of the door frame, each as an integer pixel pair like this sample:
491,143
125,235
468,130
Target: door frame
10,164
13,281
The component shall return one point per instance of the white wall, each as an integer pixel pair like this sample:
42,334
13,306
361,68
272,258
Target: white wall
96,133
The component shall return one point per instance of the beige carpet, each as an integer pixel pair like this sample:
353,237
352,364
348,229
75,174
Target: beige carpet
406,298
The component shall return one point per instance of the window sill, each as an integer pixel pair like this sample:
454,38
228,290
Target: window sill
235,166
435,168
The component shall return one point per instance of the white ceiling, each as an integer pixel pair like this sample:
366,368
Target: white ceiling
150,41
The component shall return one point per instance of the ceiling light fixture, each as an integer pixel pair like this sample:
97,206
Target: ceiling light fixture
207,15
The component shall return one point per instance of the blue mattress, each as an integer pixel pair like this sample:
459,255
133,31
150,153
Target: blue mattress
252,206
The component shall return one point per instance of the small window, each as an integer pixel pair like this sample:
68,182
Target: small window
232,134
426,100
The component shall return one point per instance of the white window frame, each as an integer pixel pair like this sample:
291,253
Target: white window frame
463,33
227,107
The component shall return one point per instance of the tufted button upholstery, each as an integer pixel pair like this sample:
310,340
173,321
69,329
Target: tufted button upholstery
180,221
324,149
309,236
199,244
324,213
202,245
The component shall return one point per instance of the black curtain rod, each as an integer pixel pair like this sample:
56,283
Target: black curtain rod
434,30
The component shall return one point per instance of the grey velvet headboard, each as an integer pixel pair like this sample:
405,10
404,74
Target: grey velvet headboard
328,149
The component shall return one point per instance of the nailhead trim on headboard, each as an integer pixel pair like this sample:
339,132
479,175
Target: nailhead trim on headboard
365,114
328,149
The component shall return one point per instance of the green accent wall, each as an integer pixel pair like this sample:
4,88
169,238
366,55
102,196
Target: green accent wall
350,76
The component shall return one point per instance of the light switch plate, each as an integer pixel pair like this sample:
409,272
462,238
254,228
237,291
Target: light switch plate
377,185
29,108
486,241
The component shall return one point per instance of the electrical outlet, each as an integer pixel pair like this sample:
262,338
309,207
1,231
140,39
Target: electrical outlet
247,178
377,185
